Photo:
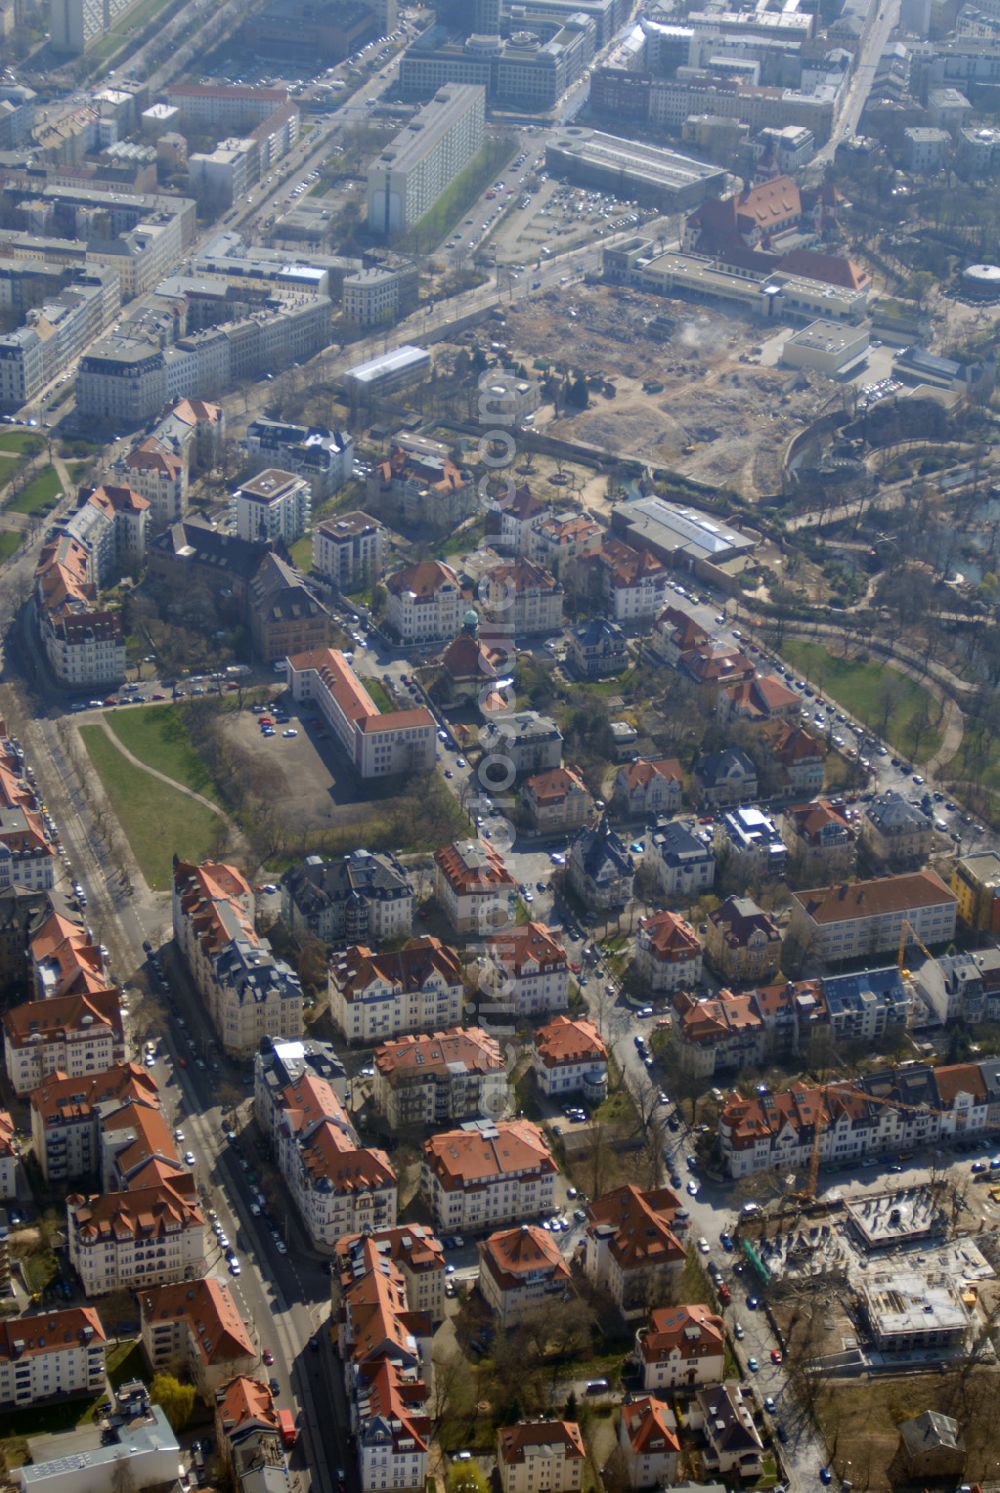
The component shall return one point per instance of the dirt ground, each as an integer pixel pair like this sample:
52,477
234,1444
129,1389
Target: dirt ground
716,419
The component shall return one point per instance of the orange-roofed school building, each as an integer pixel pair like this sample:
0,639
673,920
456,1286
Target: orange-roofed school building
377,745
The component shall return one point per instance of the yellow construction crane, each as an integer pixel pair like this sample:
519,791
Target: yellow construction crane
808,1192
907,926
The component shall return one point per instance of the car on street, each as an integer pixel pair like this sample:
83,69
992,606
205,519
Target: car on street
770,1404
775,1355
738,1331
753,1303
234,1268
704,1245
752,1364
268,1357
189,1158
825,1476
692,1187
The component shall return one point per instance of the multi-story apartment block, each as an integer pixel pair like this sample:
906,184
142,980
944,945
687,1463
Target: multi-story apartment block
431,1080
557,801
413,1249
800,757
195,1328
569,1058
378,745
126,1240
67,1116
526,971
675,634
598,649
418,486
683,862
83,643
110,523
423,160
633,583
976,883
516,72
600,870
541,1456
486,1174
522,741
339,1186
749,846
379,294
10,1157
472,885
820,841
27,855
647,1437
187,440
722,1032
863,1006
725,777
520,1270
325,458
743,944
856,919
681,1346
648,787
248,993
425,602
895,833
377,996
275,505
349,550
280,1065
631,1252
365,897
286,618
53,1355
524,597
77,1035
667,953
564,542
63,959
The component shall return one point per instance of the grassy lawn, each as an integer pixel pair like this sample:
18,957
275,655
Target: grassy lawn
468,537
158,737
302,553
77,469
9,542
41,492
134,20
23,442
435,225
125,1362
156,819
379,694
859,686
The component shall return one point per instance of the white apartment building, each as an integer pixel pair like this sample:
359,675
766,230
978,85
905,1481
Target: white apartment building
647,1436
79,1035
867,917
273,505
523,596
526,971
349,550
27,856
10,1156
249,994
519,1270
683,863
378,295
324,457
541,1456
377,996
667,953
423,160
425,602
161,477
52,1355
520,741
484,1174
433,1080
378,745
121,1241
472,886
681,1346
569,1058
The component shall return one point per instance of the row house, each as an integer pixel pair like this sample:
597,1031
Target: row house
526,971
391,1425
556,802
570,1058
749,846
339,1185
854,920
541,1456
485,1174
801,759
53,1355
633,583
431,1080
121,1241
520,1270
414,1249
377,996
631,1252
363,897
248,992
278,1065
647,788
682,861
473,886
820,841
896,834
743,943
194,1329
680,1347
762,698
78,1035
727,776
647,1438
523,597
667,955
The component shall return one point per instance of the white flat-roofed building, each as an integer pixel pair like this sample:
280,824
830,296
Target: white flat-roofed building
630,168
349,549
273,505
405,365
906,1312
825,347
147,1457
423,160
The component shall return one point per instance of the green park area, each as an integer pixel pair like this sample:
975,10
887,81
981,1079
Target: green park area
158,737
9,542
22,442
891,703
156,819
40,494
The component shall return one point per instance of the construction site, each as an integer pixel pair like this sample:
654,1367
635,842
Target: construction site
682,386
